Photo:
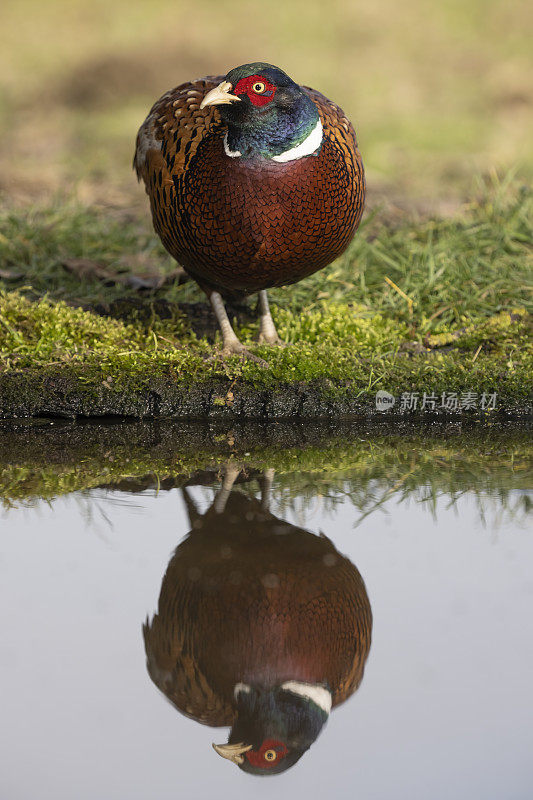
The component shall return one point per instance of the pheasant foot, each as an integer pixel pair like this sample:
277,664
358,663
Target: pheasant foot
232,346
236,348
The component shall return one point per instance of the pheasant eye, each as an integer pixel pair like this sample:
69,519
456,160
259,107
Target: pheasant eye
259,87
270,755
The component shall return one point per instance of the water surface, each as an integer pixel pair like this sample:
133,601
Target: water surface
436,527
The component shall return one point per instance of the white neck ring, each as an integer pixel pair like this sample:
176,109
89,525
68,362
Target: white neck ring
306,148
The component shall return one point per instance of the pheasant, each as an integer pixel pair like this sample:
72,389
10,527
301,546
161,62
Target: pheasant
254,182
261,625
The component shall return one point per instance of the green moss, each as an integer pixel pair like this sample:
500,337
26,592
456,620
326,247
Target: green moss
346,353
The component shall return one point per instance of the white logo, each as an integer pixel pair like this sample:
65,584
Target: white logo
384,400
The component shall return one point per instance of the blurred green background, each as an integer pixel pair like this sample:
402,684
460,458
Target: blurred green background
438,91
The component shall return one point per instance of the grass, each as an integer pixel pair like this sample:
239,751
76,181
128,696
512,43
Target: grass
429,305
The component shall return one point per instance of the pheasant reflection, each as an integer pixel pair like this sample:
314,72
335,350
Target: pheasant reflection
261,626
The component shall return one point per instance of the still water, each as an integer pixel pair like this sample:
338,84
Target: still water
148,616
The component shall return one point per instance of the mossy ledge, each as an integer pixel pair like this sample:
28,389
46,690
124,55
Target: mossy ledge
60,394
61,361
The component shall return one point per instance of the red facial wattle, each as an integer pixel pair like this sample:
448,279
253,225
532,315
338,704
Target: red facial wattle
269,754
249,87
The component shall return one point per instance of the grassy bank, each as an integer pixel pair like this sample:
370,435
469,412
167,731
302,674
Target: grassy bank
423,306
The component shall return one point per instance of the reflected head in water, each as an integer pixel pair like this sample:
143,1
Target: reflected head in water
277,725
261,626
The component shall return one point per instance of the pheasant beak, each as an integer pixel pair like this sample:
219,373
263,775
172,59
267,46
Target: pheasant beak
219,95
233,751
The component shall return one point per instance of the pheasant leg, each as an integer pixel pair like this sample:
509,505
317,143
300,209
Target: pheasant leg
231,474
267,479
267,330
231,344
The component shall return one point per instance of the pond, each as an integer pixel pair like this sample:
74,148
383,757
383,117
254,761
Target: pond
349,607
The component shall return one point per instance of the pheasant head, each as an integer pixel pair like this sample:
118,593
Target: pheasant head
268,115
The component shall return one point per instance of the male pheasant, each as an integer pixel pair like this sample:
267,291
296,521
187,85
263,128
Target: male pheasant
261,625
253,181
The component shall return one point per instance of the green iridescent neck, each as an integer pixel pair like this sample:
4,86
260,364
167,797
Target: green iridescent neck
274,131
